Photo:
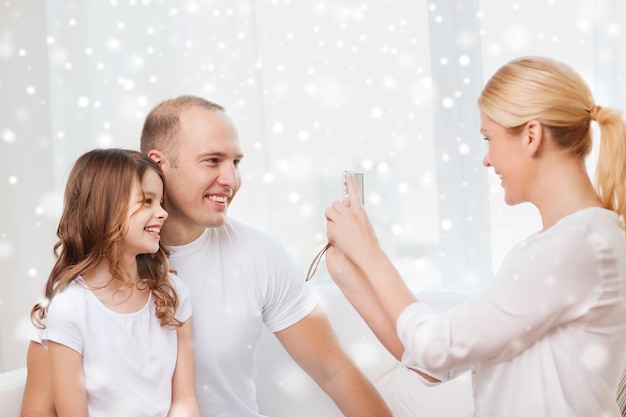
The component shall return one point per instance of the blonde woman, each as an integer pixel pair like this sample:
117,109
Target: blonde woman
547,337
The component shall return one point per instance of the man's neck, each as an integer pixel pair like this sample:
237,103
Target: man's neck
179,234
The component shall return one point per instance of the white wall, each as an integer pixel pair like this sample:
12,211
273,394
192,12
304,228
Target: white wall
26,182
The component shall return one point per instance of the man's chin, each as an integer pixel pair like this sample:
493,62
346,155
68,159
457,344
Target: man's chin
216,221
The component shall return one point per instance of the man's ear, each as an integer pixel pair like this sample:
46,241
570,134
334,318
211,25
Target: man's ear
533,137
157,156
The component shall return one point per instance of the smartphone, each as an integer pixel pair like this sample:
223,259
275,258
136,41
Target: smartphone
358,179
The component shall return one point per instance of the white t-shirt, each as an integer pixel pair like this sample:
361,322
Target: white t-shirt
240,280
128,359
548,335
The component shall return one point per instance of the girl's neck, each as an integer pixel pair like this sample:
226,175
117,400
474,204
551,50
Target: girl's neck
115,293
101,275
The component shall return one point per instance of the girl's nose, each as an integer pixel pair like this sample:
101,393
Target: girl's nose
162,214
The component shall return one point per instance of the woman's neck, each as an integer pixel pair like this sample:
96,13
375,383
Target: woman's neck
563,188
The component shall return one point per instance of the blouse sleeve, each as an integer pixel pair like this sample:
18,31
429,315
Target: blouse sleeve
543,283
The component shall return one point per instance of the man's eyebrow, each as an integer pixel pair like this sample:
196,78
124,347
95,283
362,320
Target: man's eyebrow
220,155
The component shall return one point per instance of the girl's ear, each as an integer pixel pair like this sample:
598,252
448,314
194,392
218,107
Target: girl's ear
157,156
533,137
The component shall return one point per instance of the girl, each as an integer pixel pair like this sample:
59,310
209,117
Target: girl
116,324
547,337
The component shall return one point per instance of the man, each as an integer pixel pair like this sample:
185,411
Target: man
240,279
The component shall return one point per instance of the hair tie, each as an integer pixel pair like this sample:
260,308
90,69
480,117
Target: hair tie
593,113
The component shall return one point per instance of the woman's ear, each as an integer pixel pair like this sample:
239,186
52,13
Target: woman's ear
533,137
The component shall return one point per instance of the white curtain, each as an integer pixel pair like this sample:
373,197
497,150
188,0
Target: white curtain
385,87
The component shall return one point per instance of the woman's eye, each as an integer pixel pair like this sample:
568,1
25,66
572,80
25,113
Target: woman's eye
148,201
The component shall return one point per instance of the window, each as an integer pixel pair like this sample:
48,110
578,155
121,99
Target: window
385,88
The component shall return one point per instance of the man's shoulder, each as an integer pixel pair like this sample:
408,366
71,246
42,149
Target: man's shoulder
236,227
250,238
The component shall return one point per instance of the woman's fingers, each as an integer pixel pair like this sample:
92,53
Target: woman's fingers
353,193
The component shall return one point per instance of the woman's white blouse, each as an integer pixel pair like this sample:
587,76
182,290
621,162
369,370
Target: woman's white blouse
547,337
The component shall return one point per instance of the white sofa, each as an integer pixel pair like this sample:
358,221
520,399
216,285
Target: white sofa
285,391
11,389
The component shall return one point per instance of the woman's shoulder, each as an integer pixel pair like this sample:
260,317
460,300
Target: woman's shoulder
578,238
594,225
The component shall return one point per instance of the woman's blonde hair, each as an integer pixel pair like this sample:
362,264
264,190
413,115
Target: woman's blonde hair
551,92
93,224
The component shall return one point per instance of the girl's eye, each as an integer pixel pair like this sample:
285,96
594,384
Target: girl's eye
148,201
485,138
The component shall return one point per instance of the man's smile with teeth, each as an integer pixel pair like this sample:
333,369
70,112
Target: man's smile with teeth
218,198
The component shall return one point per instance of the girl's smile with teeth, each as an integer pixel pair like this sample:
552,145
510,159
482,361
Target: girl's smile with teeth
153,229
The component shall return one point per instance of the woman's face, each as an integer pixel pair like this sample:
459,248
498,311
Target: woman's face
506,155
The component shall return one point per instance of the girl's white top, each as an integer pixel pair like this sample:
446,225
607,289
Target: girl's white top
128,359
547,337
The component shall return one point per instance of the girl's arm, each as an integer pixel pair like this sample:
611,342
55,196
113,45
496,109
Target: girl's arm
68,387
37,400
184,403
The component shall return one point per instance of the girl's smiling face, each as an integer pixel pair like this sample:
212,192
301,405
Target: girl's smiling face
145,215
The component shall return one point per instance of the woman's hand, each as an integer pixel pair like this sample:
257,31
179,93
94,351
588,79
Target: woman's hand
348,227
362,270
348,277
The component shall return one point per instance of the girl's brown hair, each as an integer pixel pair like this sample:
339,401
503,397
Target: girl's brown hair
93,224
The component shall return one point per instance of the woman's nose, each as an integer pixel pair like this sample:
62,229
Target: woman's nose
486,163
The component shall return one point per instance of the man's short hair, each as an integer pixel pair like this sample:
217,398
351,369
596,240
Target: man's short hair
162,124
